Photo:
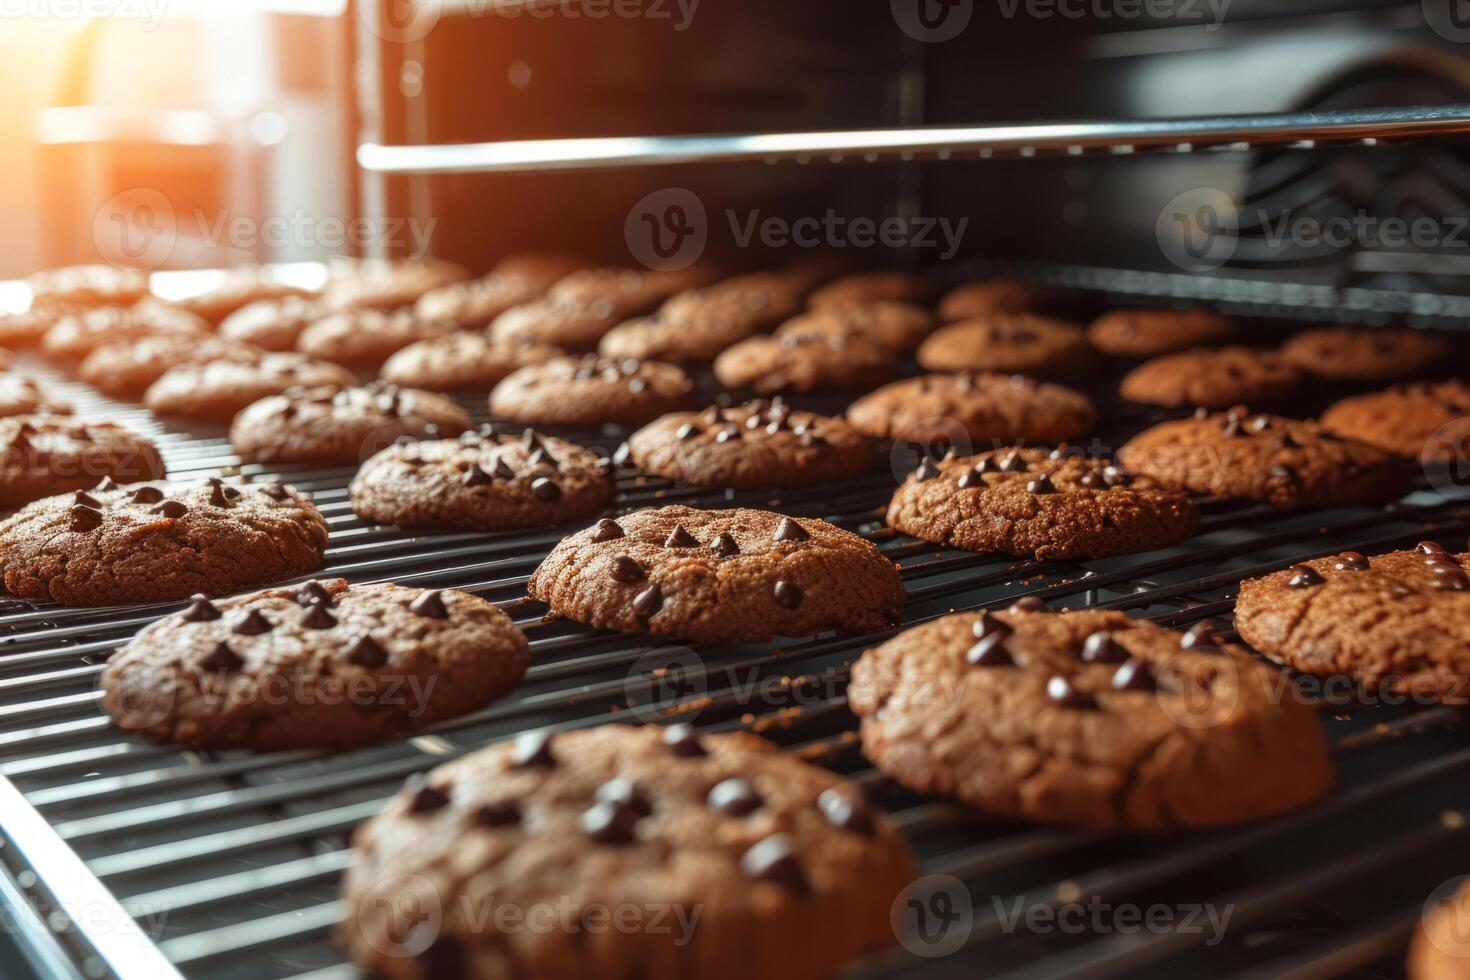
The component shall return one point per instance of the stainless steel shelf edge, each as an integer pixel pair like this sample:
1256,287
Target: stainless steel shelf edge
1229,132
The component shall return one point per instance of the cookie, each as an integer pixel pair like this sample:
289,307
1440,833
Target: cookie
895,326
1034,504
1087,718
155,542
341,426
43,455
215,390
666,853
868,287
1439,949
804,361
630,292
473,304
387,284
272,324
19,331
573,326
1023,343
720,576
482,481
1213,377
694,326
1149,333
978,408
1345,354
74,337
126,370
89,285
321,666
972,299
1406,420
1395,622
760,444
239,288
592,391
20,395
1265,457
462,360
362,339
542,269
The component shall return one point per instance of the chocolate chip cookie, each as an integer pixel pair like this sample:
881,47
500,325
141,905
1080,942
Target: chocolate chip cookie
463,360
363,339
1214,378
341,426
804,361
1025,343
980,408
482,481
20,395
868,287
320,666
694,326
42,455
154,542
1087,718
89,285
760,444
1346,354
896,326
684,854
472,304
720,575
388,284
239,288
1428,422
1265,457
629,292
74,337
974,299
592,391
1149,333
272,324
215,390
571,325
126,370
1035,504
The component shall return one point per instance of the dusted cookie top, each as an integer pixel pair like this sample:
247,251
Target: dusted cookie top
805,361
482,482
41,455
1406,420
127,369
74,337
341,425
272,324
322,665
720,575
387,284
20,395
980,408
159,541
974,299
723,838
89,285
1031,503
896,326
592,391
1213,378
215,390
1149,333
1346,354
760,444
1087,718
1022,342
867,287
463,360
1265,457
363,339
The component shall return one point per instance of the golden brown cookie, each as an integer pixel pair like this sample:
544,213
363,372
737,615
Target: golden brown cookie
592,391
463,359
1024,343
804,361
974,299
978,408
1149,333
1428,422
1213,377
867,287
1347,354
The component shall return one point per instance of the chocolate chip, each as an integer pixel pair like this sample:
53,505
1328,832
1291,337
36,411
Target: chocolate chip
531,440
1285,441
1134,675
1303,576
86,500
680,538
1200,638
637,386
735,797
532,750
607,530
318,618
727,434
622,454
147,495
366,652
1259,423
787,596
1101,648
1115,477
106,486
222,658
1041,484
501,813
1351,561
970,479
724,546
990,651
84,518
171,509
846,807
926,471
275,491
424,798
623,792
789,530
711,415
502,469
217,496
252,623
545,490
987,465
1430,548
987,624
1090,481
1013,463
1230,428
1281,472
774,860
200,610
683,740
313,592
686,431
1028,603
1060,690
625,569
429,605
609,823
1451,583
542,457
475,476
648,602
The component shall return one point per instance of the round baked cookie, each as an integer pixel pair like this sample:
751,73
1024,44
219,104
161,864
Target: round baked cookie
153,542
89,285
272,324
43,455
1149,333
694,326
1440,949
387,284
719,576
1021,342
320,666
1034,504
214,391
726,840
1285,462
973,299
1398,622
24,330
573,326
1087,718
240,287
541,269
1213,377
20,395
760,444
341,426
74,337
868,287
472,304
630,292
464,359
763,299
805,361
981,408
482,481
127,369
895,326
362,339
592,391
1346,354
1406,420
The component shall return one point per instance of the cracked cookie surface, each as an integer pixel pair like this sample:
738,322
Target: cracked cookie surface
973,410
215,391
1346,354
1215,378
341,426
592,391
1026,343
1428,422
42,455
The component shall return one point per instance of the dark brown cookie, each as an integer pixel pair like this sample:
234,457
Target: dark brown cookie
980,408
974,299
868,287
720,575
1428,422
239,288
694,326
761,444
1346,354
895,326
74,337
463,360
127,369
341,426
1024,343
20,395
804,361
573,326
362,339
1087,718
272,324
630,292
154,542
322,665
89,285
592,391
388,284
1149,333
482,482
1213,377
215,390
42,455
1035,504
1265,457
672,854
